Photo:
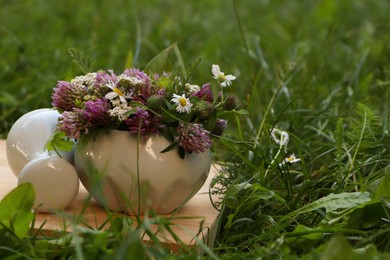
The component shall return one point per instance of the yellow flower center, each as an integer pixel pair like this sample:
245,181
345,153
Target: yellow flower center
118,91
221,77
183,101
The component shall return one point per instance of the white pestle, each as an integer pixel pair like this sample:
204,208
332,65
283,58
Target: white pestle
30,162
55,181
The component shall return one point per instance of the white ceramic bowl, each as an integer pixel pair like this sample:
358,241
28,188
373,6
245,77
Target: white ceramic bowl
109,167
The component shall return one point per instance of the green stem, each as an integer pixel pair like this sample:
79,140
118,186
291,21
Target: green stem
273,160
357,149
138,181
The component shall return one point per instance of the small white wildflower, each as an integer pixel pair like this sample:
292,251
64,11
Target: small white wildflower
280,137
116,102
290,160
129,81
192,88
225,80
86,80
119,112
183,103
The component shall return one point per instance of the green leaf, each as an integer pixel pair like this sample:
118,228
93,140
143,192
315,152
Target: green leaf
337,249
59,142
241,112
181,152
170,116
130,112
367,216
383,188
308,233
211,122
262,192
170,147
168,133
215,89
304,238
161,62
15,209
235,191
334,202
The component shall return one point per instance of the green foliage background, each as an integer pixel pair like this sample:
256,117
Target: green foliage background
333,49
318,69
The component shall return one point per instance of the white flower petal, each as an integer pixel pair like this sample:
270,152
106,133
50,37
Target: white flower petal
175,98
215,70
230,77
110,85
111,95
123,100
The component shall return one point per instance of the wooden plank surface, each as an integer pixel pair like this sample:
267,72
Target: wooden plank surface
186,221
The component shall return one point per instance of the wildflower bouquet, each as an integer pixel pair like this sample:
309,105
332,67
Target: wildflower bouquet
144,104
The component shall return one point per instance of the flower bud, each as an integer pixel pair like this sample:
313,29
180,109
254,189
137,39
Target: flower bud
231,102
155,102
204,110
220,127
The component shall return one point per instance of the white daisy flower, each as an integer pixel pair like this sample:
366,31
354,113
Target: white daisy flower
116,93
225,80
183,103
290,160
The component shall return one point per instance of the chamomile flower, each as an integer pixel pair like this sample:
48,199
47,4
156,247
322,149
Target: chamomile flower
183,103
116,93
225,80
290,160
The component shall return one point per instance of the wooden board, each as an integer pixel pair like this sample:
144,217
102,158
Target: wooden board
186,221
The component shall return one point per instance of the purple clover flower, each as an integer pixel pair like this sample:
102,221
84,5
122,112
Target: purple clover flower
204,93
134,72
143,122
65,94
103,78
72,123
145,91
193,138
96,112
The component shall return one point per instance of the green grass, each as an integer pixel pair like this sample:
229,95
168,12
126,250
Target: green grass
316,69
